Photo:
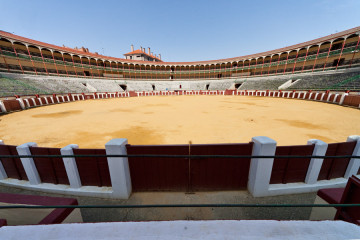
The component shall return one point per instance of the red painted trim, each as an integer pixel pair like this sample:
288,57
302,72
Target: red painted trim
56,216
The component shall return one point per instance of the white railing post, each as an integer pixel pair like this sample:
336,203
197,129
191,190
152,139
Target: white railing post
22,105
28,163
3,174
315,163
342,98
354,163
70,166
119,168
2,107
261,168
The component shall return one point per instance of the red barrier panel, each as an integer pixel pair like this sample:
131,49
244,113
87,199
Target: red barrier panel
159,174
12,105
208,174
325,97
337,98
88,97
93,171
51,170
332,96
132,94
318,97
352,101
288,170
13,166
336,167
37,101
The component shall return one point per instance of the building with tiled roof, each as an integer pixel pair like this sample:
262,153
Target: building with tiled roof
332,52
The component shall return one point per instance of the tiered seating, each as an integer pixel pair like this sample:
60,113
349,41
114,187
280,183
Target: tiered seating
326,81
263,84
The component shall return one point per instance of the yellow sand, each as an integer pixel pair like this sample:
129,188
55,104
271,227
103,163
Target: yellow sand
180,119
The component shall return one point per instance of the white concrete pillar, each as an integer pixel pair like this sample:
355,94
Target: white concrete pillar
293,95
33,100
342,98
310,96
28,163
354,163
336,95
316,96
21,102
322,96
315,163
27,104
328,98
70,166
3,174
261,168
2,107
119,168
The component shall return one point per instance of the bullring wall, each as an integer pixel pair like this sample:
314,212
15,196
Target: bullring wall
117,177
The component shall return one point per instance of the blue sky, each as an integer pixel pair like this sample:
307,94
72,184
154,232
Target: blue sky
182,30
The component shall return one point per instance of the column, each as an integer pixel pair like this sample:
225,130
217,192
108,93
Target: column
32,62
327,56
119,168
70,166
342,48
28,163
43,61
307,51
3,174
354,163
315,163
316,57
261,168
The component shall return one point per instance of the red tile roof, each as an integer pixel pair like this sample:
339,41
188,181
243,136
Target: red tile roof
138,51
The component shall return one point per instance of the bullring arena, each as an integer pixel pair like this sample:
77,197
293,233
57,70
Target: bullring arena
197,119
76,123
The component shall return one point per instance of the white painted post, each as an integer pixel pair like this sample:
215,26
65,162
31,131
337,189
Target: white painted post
46,100
315,98
52,100
354,163
261,168
70,166
3,174
119,168
28,163
34,101
342,98
336,95
2,107
328,98
22,105
315,163
310,96
322,96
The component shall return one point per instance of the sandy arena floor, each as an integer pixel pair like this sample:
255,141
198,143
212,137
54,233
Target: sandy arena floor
178,120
